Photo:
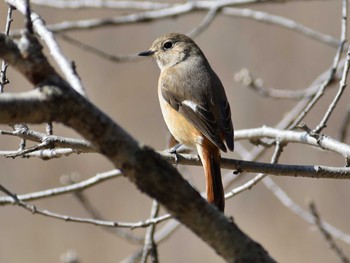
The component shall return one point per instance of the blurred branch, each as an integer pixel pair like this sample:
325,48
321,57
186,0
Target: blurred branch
122,233
282,22
80,4
208,19
245,77
344,126
296,209
326,234
98,52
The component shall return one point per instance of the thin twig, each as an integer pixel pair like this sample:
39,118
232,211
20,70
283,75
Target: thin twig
94,213
150,246
22,131
97,179
332,71
251,183
34,210
342,84
327,235
245,77
160,236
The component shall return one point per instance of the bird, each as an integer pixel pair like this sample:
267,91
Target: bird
194,105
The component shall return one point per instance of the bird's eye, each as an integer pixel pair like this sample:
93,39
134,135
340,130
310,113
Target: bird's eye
168,45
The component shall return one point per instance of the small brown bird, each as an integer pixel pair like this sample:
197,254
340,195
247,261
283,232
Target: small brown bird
194,105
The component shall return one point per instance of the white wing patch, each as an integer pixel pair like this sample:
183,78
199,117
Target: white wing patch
190,104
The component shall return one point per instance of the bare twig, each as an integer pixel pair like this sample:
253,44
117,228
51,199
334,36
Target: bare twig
44,154
245,78
160,236
94,213
332,71
251,183
34,210
342,86
150,246
325,143
326,234
343,80
23,132
98,178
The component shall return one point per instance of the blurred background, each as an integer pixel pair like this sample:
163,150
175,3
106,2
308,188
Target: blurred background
126,91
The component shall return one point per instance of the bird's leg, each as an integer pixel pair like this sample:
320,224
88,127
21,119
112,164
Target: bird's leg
174,151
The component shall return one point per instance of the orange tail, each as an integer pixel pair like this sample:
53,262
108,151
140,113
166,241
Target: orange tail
210,157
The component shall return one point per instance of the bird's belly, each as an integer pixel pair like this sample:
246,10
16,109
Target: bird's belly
182,130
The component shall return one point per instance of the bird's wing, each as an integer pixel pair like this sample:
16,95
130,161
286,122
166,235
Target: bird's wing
200,114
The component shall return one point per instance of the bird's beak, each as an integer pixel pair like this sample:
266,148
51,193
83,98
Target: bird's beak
146,53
